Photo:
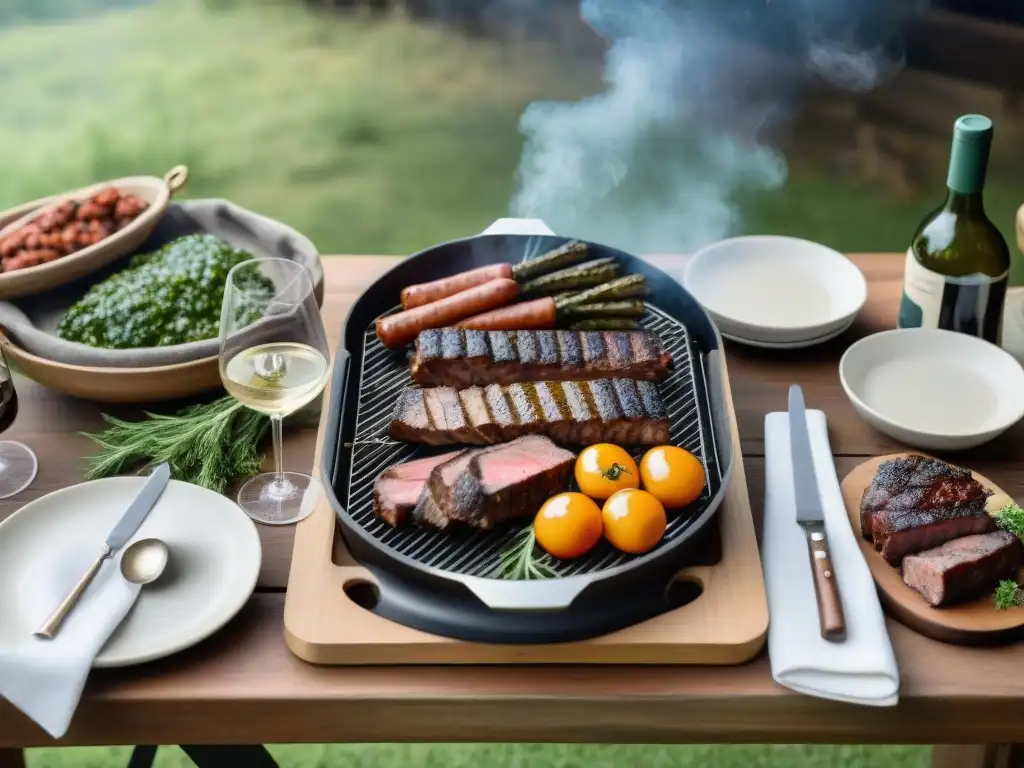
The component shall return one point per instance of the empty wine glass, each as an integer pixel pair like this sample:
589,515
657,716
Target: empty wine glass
18,463
274,359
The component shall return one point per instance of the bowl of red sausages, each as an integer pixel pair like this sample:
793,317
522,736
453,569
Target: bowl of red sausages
58,239
564,288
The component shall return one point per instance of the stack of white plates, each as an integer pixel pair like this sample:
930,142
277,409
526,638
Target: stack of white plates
776,292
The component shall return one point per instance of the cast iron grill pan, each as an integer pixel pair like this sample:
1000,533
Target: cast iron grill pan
444,583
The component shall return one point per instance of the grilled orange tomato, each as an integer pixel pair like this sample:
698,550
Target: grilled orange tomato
634,521
568,525
675,476
603,469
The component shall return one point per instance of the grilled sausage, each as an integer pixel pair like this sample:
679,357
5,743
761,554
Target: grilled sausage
536,315
425,293
402,327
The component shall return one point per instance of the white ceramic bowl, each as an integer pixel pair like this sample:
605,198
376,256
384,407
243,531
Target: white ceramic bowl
935,390
774,289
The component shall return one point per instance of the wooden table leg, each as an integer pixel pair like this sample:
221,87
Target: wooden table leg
12,758
978,756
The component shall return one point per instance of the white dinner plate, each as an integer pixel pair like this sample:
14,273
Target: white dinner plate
788,344
214,563
776,289
932,389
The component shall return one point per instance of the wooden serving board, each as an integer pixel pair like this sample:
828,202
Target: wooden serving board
972,623
726,624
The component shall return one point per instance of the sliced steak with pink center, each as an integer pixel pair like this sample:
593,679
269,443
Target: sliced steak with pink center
963,568
485,486
398,488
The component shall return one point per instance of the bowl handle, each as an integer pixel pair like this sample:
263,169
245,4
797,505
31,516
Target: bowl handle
176,178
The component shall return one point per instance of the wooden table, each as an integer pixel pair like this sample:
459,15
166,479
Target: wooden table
243,685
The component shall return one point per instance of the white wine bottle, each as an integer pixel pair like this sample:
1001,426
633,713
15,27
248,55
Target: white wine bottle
958,263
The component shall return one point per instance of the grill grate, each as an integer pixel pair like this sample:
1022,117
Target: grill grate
384,374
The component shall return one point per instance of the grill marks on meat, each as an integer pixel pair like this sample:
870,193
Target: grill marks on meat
963,568
622,411
462,358
482,487
398,488
915,503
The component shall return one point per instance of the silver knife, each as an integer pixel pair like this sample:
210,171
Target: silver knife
117,538
810,515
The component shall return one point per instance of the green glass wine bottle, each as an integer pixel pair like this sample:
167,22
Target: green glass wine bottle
958,263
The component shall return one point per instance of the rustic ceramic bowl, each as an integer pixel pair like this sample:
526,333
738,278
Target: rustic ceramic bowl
42,277
933,389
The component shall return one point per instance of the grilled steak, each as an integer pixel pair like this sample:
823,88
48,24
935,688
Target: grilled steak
455,357
917,482
620,411
485,486
963,568
915,503
398,488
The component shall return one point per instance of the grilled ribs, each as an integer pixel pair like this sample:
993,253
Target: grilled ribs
482,487
398,488
915,503
619,411
454,357
963,568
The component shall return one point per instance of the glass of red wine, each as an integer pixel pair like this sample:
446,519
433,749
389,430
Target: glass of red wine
17,461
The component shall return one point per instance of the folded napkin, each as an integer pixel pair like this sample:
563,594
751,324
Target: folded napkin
862,669
45,678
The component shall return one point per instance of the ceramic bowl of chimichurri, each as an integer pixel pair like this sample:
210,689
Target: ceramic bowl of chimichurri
145,327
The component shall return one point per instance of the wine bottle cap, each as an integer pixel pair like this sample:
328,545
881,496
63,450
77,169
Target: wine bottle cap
968,160
972,128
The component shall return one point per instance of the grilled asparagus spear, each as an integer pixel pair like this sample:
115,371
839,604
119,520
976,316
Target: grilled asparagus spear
572,278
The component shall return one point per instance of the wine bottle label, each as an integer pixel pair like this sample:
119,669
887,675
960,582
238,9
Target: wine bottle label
970,304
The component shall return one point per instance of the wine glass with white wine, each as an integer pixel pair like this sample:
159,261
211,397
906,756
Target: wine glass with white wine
274,359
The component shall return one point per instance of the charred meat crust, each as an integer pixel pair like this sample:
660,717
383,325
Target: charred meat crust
623,411
916,503
462,358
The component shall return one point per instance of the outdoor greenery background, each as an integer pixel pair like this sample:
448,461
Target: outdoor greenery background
370,135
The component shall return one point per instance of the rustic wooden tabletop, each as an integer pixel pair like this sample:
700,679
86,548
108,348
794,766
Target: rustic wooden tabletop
243,685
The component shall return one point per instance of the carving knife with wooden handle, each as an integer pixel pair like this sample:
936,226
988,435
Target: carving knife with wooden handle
810,514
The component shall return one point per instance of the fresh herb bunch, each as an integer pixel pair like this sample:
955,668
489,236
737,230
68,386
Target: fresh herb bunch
209,445
170,296
1008,594
520,560
1011,517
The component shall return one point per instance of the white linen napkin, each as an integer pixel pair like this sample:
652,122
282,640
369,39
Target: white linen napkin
862,669
45,678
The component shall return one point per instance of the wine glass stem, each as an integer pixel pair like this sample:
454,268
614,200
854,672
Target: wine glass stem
281,486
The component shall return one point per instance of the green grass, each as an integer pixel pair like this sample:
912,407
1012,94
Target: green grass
523,756
369,136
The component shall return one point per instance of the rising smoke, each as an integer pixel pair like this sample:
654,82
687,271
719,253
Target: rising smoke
696,94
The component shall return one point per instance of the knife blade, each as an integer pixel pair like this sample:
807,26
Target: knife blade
119,535
810,514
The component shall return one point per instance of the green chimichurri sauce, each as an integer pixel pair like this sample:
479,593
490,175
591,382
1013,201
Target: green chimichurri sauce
170,296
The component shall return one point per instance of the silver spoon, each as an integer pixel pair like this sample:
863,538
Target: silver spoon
144,561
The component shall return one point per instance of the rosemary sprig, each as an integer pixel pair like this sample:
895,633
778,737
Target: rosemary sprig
1008,594
210,444
520,561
